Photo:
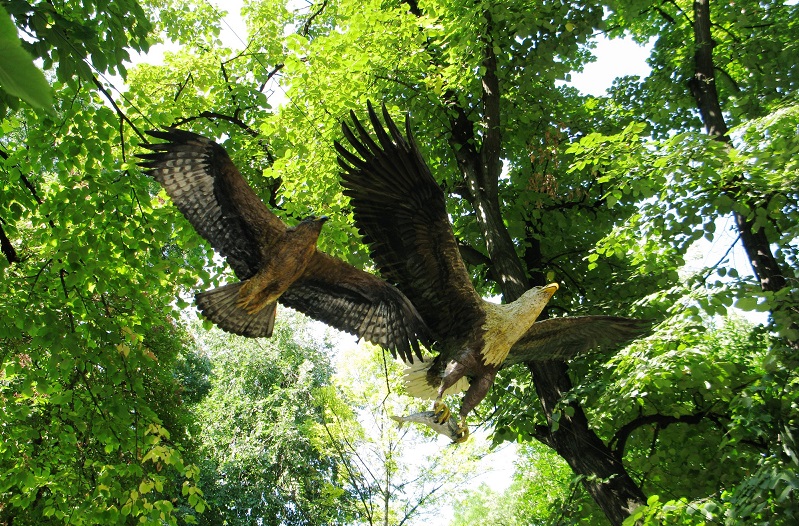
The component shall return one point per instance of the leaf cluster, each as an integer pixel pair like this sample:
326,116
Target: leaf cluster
258,454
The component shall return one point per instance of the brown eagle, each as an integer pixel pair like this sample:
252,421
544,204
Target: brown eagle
274,262
400,211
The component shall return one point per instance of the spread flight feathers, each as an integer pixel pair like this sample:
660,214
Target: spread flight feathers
275,262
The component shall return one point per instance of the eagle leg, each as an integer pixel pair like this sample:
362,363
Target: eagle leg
439,407
478,388
253,298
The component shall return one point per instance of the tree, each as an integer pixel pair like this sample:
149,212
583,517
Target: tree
699,404
722,68
259,460
18,75
396,475
727,71
603,194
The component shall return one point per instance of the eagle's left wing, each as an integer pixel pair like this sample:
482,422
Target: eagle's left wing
565,338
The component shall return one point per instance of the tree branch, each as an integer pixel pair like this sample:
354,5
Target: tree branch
306,27
117,109
619,440
492,138
7,248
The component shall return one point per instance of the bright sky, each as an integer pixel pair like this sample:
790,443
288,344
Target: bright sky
615,58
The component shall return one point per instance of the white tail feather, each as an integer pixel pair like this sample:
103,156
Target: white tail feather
417,383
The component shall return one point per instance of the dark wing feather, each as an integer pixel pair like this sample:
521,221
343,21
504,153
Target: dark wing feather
359,303
208,189
564,338
400,211
205,185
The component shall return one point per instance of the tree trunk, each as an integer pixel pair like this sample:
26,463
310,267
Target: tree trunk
705,93
703,87
603,474
481,170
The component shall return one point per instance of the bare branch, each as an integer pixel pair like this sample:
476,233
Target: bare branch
306,27
619,440
117,109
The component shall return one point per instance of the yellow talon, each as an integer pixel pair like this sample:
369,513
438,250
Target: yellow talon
463,432
442,411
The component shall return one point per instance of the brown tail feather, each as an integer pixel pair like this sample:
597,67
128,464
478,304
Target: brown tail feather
219,306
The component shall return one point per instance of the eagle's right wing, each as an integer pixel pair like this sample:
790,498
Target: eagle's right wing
354,301
400,211
208,189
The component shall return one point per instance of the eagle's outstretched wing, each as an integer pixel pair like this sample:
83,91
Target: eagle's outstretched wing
400,211
342,296
565,338
207,187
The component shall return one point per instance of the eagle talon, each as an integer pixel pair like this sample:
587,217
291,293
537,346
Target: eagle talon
442,411
463,433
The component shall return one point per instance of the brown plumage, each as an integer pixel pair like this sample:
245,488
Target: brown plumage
400,211
272,261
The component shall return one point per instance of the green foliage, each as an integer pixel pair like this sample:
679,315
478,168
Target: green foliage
93,427
18,75
79,40
698,513
692,410
259,459
539,493
767,496
91,416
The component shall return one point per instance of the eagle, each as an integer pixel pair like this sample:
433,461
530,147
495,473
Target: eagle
400,212
273,262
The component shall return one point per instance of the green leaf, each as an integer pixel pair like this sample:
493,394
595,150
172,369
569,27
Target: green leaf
747,303
18,75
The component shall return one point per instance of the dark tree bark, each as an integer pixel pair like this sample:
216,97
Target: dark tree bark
6,247
604,476
704,90
481,168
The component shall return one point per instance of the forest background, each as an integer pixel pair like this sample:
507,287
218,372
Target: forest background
118,407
